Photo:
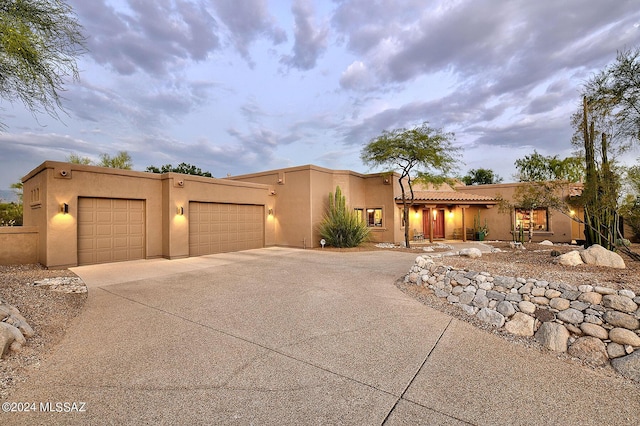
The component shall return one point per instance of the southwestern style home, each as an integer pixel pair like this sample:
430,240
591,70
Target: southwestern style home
77,214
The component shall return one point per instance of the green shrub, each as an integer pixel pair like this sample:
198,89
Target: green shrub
10,214
341,226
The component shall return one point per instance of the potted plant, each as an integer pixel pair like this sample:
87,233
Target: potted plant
481,231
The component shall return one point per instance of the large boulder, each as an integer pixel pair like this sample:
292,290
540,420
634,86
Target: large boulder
571,258
553,336
628,366
624,337
600,256
6,339
470,252
520,324
490,316
590,349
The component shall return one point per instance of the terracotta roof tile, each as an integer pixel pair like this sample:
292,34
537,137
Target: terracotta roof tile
449,196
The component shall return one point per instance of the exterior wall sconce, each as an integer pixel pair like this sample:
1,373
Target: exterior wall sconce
64,208
435,214
572,212
180,211
270,212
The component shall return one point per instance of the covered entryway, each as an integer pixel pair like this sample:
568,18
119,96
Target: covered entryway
221,228
110,230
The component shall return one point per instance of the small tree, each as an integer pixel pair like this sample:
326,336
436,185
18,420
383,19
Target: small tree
481,177
76,159
409,149
341,226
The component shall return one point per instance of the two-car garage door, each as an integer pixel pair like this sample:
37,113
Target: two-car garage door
220,228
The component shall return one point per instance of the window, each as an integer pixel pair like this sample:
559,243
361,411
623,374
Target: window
537,218
374,217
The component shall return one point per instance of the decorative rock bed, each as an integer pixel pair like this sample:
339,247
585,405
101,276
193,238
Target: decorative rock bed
14,328
594,323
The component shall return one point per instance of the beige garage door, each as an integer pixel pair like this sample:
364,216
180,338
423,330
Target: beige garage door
221,228
110,230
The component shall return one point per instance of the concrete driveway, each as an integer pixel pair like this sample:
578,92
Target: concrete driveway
283,336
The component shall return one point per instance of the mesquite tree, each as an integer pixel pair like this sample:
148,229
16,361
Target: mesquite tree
421,147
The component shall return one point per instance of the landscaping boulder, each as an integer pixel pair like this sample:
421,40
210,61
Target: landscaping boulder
553,336
6,338
589,349
628,366
624,337
470,252
520,324
571,258
490,316
600,256
545,243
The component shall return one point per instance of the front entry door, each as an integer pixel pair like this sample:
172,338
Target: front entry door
438,223
435,218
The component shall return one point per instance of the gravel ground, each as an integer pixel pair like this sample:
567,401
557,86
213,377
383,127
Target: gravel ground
47,312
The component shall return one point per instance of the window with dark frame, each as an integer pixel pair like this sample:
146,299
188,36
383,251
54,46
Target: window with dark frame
538,219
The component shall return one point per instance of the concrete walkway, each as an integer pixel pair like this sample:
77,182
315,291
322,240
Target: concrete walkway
282,336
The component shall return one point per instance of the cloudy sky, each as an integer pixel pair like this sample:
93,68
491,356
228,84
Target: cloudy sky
238,86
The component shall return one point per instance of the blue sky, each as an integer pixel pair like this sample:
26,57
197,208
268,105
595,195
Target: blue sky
239,86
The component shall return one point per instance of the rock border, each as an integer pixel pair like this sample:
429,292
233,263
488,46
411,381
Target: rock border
596,324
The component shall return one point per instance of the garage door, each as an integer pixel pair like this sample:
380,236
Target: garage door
110,230
220,228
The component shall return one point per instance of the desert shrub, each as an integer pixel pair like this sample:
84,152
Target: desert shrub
341,226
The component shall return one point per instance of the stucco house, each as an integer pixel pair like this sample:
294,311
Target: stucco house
77,214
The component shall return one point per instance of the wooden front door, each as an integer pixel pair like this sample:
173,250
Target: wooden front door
435,218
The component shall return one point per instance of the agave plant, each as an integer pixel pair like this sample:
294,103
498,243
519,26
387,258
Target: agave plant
341,226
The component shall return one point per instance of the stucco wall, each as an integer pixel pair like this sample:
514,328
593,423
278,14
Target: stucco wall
51,184
18,245
561,228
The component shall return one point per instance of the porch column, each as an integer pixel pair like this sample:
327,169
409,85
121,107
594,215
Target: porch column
464,224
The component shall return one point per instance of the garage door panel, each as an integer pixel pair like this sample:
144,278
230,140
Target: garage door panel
226,227
110,230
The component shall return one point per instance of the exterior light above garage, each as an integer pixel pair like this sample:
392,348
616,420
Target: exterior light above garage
64,208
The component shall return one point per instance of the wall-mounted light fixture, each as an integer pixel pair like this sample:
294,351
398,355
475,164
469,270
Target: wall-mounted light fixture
572,212
435,214
64,208
271,212
180,211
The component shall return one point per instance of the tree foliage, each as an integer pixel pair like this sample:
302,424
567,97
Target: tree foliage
11,214
184,168
424,150
538,168
39,43
630,205
342,226
122,160
613,100
76,159
481,177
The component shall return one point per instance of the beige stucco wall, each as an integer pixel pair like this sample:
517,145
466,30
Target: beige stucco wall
561,228
18,245
166,234
302,197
